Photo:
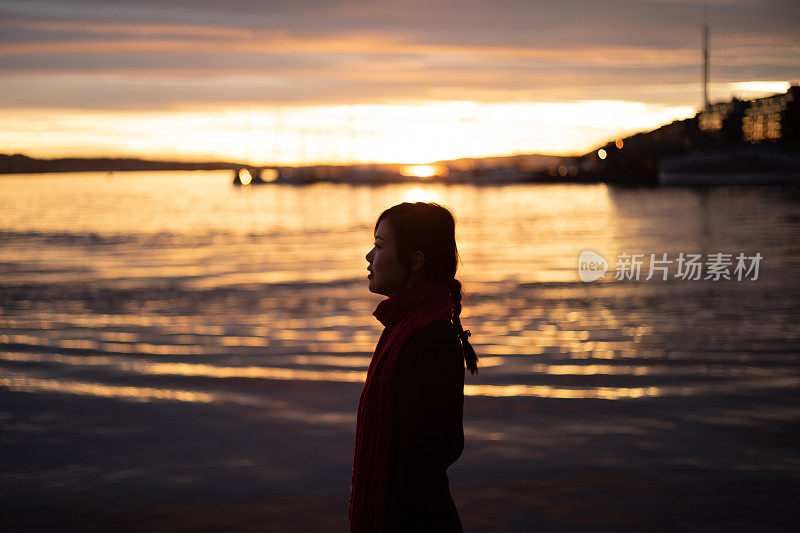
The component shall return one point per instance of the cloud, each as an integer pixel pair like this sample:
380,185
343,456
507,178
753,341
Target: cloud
153,55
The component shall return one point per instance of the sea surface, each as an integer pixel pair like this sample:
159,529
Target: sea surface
170,335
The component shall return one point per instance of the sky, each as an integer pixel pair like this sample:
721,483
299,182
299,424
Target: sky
407,81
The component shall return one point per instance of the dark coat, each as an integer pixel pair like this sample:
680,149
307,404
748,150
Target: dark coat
429,432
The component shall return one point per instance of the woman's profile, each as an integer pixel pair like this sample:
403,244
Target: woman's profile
410,413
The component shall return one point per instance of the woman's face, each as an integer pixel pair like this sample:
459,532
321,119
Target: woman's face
387,273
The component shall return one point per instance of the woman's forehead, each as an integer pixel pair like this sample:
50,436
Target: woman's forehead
384,230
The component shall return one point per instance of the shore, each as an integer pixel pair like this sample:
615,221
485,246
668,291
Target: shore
597,466
597,501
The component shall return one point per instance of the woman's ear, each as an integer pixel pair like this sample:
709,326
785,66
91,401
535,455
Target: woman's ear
417,260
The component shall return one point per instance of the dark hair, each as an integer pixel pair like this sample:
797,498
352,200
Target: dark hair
430,228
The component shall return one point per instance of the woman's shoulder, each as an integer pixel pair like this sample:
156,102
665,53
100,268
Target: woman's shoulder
439,327
440,331
437,339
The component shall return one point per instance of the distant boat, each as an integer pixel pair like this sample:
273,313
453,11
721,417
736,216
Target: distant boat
754,165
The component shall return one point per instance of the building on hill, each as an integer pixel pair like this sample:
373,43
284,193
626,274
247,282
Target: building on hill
723,120
725,128
774,117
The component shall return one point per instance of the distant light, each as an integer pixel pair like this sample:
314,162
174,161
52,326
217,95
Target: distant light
269,174
422,171
619,143
245,177
601,153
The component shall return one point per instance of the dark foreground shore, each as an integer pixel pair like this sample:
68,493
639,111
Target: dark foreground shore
595,466
597,501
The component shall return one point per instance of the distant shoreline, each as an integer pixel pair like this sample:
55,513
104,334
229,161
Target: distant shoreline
22,164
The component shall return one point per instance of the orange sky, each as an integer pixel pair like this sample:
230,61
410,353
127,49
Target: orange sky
396,81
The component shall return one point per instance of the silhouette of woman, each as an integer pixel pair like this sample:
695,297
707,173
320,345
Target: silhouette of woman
409,428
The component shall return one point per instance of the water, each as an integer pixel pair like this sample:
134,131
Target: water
234,328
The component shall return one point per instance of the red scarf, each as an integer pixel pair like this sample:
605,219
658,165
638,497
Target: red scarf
402,315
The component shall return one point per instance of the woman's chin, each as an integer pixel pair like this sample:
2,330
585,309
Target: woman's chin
373,288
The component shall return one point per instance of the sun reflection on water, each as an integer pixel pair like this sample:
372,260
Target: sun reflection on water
420,194
142,394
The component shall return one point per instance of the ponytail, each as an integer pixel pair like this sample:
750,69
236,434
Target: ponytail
469,352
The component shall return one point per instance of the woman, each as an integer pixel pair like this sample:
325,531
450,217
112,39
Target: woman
410,412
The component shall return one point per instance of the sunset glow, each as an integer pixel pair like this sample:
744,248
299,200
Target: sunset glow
268,84
423,171
411,133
